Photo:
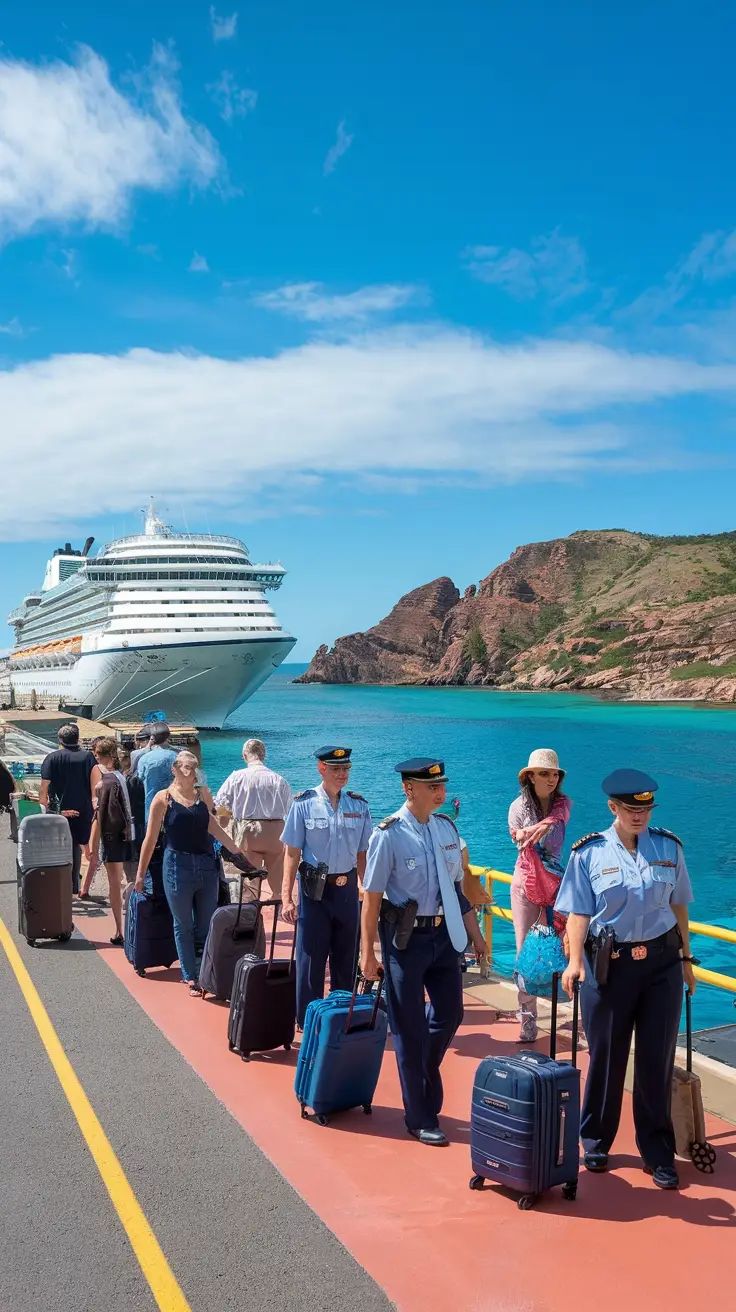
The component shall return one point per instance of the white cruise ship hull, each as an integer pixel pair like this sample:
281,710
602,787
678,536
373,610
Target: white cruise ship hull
197,683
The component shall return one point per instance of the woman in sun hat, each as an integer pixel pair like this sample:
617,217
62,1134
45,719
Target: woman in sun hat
537,822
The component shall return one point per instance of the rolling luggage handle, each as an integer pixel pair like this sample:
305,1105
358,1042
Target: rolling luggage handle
260,876
703,1155
275,902
575,1020
374,1013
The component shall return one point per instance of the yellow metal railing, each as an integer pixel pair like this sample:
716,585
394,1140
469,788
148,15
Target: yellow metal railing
490,876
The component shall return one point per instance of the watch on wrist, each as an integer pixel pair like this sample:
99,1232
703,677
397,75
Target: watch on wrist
694,961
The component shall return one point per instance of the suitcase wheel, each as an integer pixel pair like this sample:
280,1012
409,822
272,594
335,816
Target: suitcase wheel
703,1156
141,972
304,1111
31,942
526,1202
367,1109
322,1119
231,1045
476,1182
245,1056
64,938
570,1191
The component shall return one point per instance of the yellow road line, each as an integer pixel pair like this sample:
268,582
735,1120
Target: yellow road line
153,1264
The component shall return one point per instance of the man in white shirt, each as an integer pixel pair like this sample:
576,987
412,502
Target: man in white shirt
259,800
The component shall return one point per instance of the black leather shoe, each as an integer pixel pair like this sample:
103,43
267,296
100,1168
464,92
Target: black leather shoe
433,1138
596,1162
665,1177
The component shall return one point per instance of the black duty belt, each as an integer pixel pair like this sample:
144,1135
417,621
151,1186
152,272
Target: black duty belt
428,922
640,951
341,880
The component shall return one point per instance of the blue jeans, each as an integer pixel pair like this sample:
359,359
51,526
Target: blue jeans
191,888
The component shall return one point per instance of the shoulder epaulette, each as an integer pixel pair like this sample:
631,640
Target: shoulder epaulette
665,833
583,842
306,792
357,796
390,820
441,816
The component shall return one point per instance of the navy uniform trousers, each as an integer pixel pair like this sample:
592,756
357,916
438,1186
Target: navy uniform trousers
422,1033
326,930
644,997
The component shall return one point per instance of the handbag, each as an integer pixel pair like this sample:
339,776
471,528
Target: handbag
541,956
541,875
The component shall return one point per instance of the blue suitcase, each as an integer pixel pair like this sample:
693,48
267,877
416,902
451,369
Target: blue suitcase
525,1119
149,932
341,1053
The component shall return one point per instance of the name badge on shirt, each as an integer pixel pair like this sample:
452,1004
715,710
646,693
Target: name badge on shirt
410,863
610,870
352,815
449,847
322,824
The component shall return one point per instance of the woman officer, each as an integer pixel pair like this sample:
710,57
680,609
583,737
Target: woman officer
626,892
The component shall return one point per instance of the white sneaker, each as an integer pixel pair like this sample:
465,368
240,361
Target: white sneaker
528,1033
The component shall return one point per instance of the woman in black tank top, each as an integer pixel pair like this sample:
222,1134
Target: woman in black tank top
191,870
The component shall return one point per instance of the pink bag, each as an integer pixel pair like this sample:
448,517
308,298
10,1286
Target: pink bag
541,875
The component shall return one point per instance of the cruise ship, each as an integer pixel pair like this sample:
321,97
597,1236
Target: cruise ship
162,621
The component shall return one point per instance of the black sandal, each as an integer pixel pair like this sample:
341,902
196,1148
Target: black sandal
195,989
117,941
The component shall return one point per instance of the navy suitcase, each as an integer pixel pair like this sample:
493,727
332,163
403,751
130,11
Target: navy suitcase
341,1052
149,932
525,1119
263,1003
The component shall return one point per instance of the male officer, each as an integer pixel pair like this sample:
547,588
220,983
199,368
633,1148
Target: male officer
326,836
412,892
626,893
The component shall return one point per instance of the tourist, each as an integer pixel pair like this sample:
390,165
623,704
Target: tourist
68,780
112,832
414,863
142,745
259,801
154,767
181,815
537,822
626,893
326,836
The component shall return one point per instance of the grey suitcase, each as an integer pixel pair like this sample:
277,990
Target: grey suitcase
234,931
43,841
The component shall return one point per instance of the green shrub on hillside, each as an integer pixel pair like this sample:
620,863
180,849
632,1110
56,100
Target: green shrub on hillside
704,670
474,648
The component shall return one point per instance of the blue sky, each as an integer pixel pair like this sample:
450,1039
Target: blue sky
386,290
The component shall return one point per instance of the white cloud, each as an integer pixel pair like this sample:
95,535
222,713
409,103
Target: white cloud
311,302
555,265
223,29
13,328
231,100
343,142
410,404
75,149
712,259
198,264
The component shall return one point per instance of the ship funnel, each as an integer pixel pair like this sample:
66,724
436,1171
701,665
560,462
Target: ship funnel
86,547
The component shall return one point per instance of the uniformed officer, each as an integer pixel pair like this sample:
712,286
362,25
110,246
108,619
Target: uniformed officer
412,892
326,834
626,893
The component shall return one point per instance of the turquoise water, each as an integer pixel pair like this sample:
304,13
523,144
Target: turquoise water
484,738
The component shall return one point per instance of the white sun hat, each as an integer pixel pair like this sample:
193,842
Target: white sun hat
542,758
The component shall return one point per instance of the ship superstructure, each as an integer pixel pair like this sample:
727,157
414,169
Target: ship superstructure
159,621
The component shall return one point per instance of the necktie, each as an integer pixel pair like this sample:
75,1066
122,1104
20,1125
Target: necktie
448,893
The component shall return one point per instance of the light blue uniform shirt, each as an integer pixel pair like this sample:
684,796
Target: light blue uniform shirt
401,861
323,834
629,891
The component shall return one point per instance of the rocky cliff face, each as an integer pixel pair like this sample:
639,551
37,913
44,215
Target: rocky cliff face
636,616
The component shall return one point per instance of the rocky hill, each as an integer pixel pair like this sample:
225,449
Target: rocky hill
637,616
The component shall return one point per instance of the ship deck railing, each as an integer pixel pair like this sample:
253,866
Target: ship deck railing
490,876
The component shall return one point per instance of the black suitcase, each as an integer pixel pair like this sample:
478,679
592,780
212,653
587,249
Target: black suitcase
263,1004
45,903
234,931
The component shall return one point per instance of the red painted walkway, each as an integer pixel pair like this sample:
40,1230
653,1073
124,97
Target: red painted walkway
406,1212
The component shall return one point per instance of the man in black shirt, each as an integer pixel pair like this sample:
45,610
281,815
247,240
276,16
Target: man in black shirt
69,776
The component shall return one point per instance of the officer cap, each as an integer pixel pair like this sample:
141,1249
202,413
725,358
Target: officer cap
334,755
631,786
422,769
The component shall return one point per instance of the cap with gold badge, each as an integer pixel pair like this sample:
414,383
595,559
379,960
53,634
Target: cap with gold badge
334,755
632,787
423,770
